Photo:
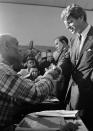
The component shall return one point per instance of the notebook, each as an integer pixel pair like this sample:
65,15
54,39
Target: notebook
58,113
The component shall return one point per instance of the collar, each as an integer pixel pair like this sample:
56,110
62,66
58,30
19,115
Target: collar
85,32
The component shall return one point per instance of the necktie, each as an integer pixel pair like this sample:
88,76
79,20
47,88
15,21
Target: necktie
78,47
80,36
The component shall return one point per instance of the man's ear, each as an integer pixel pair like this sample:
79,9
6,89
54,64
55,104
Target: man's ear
82,18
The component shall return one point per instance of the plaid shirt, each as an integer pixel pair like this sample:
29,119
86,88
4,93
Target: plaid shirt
15,90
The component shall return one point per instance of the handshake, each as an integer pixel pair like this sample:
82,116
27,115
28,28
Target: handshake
53,72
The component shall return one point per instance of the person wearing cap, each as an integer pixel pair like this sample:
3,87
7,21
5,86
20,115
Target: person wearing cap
15,91
80,90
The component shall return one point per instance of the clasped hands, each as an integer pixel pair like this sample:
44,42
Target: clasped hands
49,70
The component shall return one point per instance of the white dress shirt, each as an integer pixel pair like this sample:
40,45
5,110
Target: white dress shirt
84,35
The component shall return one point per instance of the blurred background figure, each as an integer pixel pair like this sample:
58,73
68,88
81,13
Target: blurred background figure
31,62
34,73
43,62
32,50
50,58
38,57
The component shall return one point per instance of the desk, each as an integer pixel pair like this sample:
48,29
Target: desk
27,108
32,122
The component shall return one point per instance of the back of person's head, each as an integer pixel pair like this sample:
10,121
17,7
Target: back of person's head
9,49
74,11
7,41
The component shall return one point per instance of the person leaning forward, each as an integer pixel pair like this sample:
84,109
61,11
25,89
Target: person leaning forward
14,90
80,90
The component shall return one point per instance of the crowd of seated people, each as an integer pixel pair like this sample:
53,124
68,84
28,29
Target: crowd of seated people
36,63
42,60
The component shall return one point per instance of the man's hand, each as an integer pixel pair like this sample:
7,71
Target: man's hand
39,78
55,73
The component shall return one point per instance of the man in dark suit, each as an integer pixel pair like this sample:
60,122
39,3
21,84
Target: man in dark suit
80,90
62,60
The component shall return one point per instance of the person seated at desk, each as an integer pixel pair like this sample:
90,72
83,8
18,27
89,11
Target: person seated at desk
31,62
33,73
16,91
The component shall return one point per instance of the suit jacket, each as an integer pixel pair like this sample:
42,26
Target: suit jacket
63,61
81,84
59,56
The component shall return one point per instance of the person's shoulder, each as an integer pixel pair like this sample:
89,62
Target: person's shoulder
90,32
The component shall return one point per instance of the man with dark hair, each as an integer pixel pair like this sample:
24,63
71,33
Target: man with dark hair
80,90
61,45
62,59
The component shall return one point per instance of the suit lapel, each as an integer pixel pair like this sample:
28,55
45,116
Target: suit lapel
58,57
87,43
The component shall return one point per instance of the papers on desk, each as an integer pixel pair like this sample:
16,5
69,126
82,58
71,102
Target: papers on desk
57,113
